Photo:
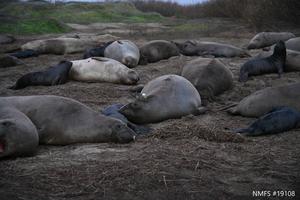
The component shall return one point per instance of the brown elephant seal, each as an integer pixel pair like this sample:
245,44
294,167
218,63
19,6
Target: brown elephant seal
271,64
210,77
266,39
98,69
263,101
293,44
165,97
157,50
193,48
55,75
6,39
58,121
292,62
124,51
9,61
59,46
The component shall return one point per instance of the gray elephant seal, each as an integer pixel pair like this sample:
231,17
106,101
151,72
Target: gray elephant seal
192,48
124,51
266,39
263,101
271,64
55,75
97,69
165,97
276,121
59,46
292,62
210,77
293,44
9,61
58,121
18,135
157,50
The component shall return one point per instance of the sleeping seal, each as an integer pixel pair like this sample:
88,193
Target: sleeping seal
210,77
55,75
278,120
263,101
165,97
54,120
98,69
271,64
124,51
266,39
157,50
192,48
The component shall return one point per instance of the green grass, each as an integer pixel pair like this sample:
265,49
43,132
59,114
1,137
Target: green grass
191,27
48,18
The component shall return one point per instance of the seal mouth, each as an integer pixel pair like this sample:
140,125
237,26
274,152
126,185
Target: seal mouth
2,146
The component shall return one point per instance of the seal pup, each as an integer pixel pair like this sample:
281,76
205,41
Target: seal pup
97,51
271,64
278,120
25,54
55,75
113,111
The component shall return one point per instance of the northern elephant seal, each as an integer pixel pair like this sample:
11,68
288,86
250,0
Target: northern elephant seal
59,45
210,77
265,39
276,121
271,64
293,44
55,75
18,135
263,101
193,48
9,61
292,62
113,111
25,54
165,97
97,51
157,50
58,121
98,69
124,51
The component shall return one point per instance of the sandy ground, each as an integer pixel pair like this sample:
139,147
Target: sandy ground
195,157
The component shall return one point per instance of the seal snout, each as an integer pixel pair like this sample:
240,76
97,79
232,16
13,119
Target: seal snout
133,77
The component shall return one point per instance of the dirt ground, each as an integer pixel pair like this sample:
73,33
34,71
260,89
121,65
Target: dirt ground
195,157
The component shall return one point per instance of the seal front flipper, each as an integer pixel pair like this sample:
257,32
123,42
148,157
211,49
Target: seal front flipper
200,110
